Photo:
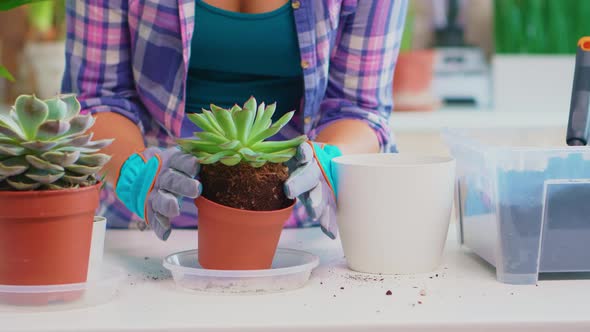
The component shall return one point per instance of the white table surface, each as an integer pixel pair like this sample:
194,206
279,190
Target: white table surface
464,297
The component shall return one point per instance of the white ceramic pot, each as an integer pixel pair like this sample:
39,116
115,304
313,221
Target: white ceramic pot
394,211
47,62
96,246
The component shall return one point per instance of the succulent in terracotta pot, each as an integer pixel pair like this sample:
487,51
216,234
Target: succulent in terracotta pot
49,190
243,206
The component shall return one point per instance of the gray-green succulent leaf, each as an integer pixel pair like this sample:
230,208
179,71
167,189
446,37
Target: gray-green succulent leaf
44,144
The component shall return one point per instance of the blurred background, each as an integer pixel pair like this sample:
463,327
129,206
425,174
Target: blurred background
462,62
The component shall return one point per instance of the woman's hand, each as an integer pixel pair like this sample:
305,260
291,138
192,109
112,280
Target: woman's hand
152,182
312,181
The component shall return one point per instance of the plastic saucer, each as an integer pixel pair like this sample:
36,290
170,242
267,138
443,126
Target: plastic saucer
98,289
290,270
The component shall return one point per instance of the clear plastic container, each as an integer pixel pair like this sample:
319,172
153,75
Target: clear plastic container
523,203
100,288
290,270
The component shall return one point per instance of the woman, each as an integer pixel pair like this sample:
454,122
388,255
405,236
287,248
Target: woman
141,65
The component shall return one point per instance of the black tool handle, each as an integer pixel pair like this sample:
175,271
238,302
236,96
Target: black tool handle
577,130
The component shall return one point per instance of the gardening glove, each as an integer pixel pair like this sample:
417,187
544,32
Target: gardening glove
152,183
312,180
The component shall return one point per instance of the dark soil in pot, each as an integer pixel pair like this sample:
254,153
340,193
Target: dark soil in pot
245,187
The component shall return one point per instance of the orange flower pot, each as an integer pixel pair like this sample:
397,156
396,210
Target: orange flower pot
45,239
412,81
234,239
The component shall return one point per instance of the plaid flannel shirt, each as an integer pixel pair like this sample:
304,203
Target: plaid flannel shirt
131,57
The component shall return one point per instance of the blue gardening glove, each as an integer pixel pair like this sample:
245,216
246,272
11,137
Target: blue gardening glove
151,184
311,180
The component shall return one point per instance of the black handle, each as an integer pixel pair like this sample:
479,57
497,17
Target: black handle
578,130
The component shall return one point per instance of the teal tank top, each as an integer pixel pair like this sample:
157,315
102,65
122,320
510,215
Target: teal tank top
238,55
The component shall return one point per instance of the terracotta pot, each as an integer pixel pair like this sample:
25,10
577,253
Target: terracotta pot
234,239
412,82
45,235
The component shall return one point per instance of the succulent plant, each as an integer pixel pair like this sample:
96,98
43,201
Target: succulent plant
44,145
235,135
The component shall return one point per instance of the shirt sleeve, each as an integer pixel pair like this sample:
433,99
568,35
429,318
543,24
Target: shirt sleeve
362,66
98,65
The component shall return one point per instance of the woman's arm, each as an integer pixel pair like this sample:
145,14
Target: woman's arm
128,140
358,104
98,70
350,136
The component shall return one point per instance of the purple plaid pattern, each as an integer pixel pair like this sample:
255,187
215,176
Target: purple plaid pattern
131,57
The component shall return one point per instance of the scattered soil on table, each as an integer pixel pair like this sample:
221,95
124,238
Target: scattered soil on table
365,278
245,187
423,292
341,287
388,293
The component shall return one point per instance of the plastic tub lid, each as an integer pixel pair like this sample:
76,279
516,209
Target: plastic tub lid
98,289
290,270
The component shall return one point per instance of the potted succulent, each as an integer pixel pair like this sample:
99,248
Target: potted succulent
49,191
243,206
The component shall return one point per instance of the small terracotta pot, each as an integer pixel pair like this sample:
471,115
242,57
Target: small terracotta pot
45,235
412,82
234,239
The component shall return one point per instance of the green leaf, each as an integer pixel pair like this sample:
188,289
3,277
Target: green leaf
31,113
73,105
211,137
10,150
41,15
235,108
40,146
272,130
225,120
80,141
231,160
250,104
6,74
213,122
258,163
13,166
76,148
230,145
265,119
281,156
53,129
258,118
10,4
243,120
61,158
213,158
201,121
44,176
10,129
82,169
23,183
42,164
249,154
57,108
97,159
192,146
273,146
79,124
100,144
75,179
